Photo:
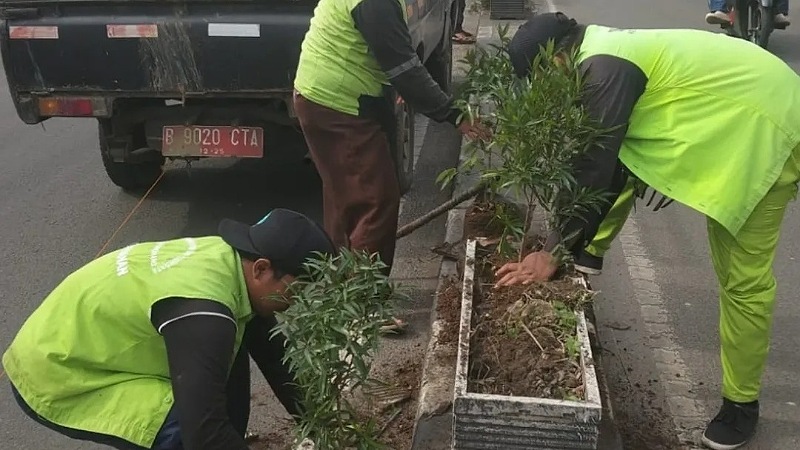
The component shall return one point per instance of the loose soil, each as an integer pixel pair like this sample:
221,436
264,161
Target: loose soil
396,420
399,426
524,341
280,438
480,221
448,311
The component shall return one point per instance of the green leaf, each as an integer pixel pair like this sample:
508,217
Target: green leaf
337,310
446,177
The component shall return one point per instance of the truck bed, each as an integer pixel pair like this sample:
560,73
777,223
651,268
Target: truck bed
154,49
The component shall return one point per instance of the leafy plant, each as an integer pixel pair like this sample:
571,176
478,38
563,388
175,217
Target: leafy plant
332,332
573,347
566,316
539,129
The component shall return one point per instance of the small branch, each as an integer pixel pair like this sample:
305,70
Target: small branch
392,418
410,227
527,330
526,227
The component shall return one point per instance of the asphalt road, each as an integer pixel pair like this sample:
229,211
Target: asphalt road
658,308
58,209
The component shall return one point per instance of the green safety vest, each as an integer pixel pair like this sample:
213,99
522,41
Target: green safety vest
717,121
336,67
90,359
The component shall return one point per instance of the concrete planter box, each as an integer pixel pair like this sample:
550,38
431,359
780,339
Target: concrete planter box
508,422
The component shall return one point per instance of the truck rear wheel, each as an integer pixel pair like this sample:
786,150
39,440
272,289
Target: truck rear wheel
403,146
134,176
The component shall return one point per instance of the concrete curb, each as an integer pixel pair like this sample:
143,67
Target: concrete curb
433,423
610,437
434,420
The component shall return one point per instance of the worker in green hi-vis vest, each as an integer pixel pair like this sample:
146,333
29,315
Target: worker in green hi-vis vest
708,121
147,347
356,55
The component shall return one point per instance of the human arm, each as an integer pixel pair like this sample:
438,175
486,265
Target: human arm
199,336
268,352
612,88
383,26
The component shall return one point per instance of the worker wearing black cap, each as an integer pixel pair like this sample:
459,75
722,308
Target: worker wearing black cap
147,347
690,120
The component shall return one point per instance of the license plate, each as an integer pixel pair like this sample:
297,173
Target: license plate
219,142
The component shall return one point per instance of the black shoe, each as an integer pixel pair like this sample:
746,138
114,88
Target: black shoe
733,427
589,264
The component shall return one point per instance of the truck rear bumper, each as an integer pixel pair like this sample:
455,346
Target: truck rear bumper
158,50
33,108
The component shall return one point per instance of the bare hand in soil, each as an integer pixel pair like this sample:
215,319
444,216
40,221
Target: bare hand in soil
537,266
474,129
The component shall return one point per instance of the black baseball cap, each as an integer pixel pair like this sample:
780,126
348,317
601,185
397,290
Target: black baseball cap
286,238
535,33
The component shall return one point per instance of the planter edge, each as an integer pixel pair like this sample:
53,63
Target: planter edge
505,422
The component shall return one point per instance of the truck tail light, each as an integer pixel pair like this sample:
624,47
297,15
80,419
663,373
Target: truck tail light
67,107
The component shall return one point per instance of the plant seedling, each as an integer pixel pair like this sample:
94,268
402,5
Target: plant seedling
332,332
539,130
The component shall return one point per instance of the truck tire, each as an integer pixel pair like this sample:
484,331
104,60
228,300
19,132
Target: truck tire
130,176
403,145
440,63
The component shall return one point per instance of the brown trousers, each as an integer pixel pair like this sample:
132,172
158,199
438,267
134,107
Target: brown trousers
360,190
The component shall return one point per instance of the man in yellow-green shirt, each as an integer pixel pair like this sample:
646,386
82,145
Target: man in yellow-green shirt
354,54
147,347
711,122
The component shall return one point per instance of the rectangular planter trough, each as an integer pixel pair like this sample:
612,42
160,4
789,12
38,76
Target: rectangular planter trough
484,421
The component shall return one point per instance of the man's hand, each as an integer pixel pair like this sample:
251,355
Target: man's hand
537,266
474,129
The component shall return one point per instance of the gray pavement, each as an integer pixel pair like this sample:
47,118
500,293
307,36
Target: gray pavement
58,209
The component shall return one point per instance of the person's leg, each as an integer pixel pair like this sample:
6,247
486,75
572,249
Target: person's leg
361,193
717,12
80,435
717,5
591,259
782,13
459,25
743,264
460,36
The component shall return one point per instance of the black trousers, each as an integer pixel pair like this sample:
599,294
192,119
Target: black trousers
266,352
462,5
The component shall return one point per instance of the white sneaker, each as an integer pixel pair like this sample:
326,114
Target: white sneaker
782,20
717,18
